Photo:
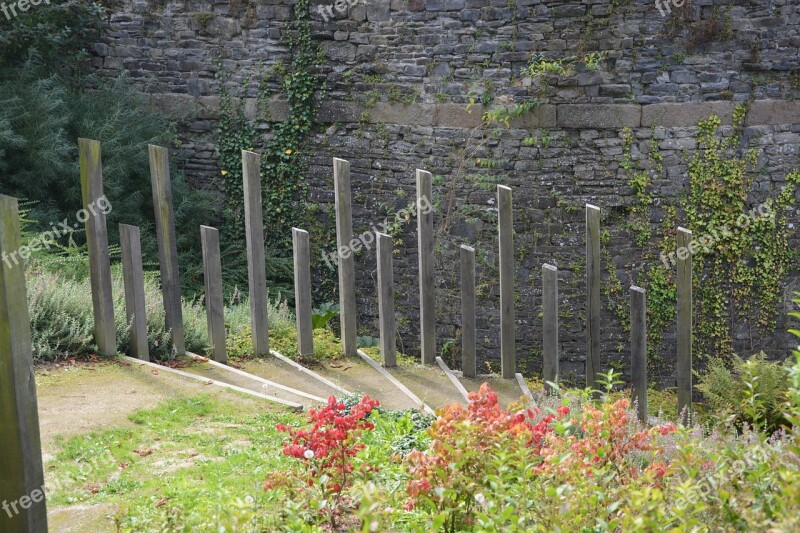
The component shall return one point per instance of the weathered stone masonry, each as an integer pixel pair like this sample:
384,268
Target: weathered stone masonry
400,76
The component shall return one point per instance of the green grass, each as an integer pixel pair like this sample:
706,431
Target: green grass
199,464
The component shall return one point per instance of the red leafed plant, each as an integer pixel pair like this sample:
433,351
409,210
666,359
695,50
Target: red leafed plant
327,448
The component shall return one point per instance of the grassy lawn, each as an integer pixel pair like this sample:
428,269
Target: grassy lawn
200,463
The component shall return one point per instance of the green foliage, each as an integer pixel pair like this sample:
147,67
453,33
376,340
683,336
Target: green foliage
41,117
752,391
323,314
57,31
62,321
282,167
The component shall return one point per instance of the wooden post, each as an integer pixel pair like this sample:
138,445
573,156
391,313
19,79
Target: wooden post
684,362
549,325
386,300
302,292
639,350
427,291
256,259
133,277
215,307
468,362
167,245
592,295
91,167
21,472
344,238
505,226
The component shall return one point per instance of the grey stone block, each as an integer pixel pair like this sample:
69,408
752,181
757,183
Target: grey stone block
606,116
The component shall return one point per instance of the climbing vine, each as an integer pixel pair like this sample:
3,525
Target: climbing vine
281,145
742,253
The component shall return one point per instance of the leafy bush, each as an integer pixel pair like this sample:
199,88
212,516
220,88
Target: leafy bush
327,450
751,391
62,320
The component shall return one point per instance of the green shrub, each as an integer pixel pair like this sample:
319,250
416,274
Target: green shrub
751,391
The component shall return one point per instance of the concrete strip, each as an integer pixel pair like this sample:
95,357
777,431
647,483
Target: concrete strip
256,378
672,115
544,116
295,406
602,116
311,373
385,373
453,378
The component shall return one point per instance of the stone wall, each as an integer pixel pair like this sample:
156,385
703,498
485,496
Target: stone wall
401,74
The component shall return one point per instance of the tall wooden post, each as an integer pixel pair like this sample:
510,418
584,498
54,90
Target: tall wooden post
550,325
427,290
684,362
215,306
167,245
639,350
105,335
592,295
133,277
505,225
256,259
302,292
468,362
21,471
344,238
386,300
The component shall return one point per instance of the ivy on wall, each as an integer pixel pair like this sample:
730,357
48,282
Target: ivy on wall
738,273
281,146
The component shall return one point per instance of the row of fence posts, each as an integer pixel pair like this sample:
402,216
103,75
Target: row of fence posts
91,176
21,465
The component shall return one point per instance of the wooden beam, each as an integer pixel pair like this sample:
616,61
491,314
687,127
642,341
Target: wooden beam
215,306
396,382
505,226
526,391
167,245
592,295
21,471
344,240
639,350
302,292
386,301
453,378
311,373
105,333
256,259
684,360
427,289
468,355
550,355
133,279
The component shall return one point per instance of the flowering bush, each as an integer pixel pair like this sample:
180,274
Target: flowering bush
326,450
482,450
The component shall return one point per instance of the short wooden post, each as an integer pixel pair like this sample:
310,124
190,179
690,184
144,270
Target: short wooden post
133,278
344,242
167,245
505,225
256,258
639,350
592,295
386,300
468,359
302,292
215,306
550,355
684,361
91,167
21,472
427,290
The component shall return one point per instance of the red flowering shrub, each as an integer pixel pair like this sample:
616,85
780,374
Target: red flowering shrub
327,447
461,466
